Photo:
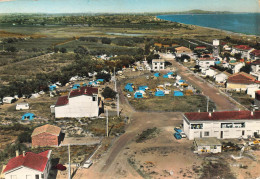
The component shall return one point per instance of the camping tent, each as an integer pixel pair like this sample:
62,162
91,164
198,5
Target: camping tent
157,74
138,95
142,88
129,87
178,93
29,116
52,87
76,86
166,76
159,93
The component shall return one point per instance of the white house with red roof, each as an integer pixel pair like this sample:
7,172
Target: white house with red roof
205,62
29,166
83,102
245,50
255,55
222,125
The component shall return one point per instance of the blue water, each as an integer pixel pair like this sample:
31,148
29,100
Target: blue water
246,23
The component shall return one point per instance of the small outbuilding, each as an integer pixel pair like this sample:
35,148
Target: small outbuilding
28,116
22,106
207,145
47,135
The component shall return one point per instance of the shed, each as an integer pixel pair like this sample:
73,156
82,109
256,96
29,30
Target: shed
28,116
76,86
157,75
207,145
21,106
52,87
178,93
138,95
159,93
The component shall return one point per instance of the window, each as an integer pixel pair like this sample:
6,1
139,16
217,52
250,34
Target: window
206,133
161,63
161,67
42,175
37,177
94,98
196,126
155,67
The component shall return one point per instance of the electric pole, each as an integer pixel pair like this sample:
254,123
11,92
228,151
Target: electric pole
69,172
117,105
207,104
107,122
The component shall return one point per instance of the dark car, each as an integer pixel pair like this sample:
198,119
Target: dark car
60,167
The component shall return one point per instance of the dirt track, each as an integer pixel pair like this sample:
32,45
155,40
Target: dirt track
222,102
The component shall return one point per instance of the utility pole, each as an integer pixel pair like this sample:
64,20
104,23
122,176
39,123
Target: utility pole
115,78
117,105
107,122
207,104
69,172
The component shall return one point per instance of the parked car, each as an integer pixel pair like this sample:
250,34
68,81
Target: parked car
177,135
177,129
129,95
87,164
183,135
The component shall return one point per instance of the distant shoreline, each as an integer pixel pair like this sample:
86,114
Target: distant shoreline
211,28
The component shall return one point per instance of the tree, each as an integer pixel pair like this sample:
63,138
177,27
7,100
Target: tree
106,41
109,93
104,76
56,49
238,56
11,49
247,68
63,50
24,137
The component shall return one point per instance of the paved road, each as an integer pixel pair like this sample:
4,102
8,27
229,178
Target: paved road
222,102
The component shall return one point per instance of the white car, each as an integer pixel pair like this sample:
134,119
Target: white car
87,164
183,135
128,95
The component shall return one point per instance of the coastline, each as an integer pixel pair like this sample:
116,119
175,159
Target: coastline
212,28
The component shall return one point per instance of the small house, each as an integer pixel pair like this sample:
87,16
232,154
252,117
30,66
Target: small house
245,50
207,145
159,93
47,135
240,81
158,64
28,116
8,100
178,93
205,62
255,55
29,165
22,106
222,77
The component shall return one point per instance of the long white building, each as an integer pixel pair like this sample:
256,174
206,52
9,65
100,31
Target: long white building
83,102
222,125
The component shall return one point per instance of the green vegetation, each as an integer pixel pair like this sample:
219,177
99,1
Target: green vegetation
147,134
109,93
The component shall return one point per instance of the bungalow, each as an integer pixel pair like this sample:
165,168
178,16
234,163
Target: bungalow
245,50
205,62
83,102
240,81
21,106
235,67
29,165
255,55
207,145
47,135
158,64
222,125
179,51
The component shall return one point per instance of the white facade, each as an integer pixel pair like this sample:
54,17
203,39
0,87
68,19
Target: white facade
235,67
205,63
209,72
207,145
8,100
158,64
225,129
244,53
252,89
21,106
79,106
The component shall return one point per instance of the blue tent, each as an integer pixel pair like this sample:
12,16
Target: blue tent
157,74
142,88
159,93
165,76
29,116
85,84
92,82
217,62
178,93
182,81
170,73
76,86
128,87
52,87
100,80
138,95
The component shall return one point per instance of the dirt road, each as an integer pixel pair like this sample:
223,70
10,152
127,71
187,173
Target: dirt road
222,102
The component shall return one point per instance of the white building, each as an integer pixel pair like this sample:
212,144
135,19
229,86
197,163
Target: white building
8,100
209,72
158,64
235,67
21,106
222,125
83,102
243,49
207,145
222,77
205,62
252,89
255,69
29,166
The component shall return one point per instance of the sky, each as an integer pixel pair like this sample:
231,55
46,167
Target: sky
125,6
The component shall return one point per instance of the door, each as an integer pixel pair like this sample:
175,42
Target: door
243,133
221,134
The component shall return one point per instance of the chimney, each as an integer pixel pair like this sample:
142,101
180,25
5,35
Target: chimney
252,113
209,114
17,153
23,153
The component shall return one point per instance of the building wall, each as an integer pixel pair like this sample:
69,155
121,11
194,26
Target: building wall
80,106
209,149
23,173
237,87
156,66
214,129
44,139
205,64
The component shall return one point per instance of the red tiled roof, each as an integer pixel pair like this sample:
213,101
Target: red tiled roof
84,91
62,100
30,160
256,53
241,78
223,115
207,59
54,130
200,47
242,47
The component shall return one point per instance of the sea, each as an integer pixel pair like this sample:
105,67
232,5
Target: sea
245,23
